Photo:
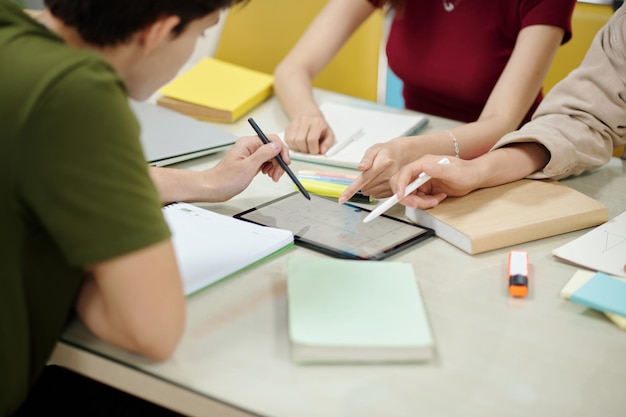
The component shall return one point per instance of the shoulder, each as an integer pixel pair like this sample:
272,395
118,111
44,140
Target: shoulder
377,3
80,114
548,12
83,100
554,6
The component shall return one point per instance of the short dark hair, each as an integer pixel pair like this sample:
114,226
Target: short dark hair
111,22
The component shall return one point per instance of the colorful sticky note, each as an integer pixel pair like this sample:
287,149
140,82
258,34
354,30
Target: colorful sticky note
604,293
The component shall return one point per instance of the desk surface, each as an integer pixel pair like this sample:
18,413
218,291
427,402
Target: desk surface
496,356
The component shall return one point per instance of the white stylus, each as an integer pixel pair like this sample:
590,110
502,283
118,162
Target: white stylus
393,200
343,144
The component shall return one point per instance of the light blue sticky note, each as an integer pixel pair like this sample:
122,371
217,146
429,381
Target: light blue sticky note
603,292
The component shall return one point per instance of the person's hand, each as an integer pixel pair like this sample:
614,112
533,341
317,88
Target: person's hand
455,179
378,164
243,161
310,134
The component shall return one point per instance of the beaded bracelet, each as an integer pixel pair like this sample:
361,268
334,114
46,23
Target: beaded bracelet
456,143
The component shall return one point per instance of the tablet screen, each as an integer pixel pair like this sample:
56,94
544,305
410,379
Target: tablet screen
336,229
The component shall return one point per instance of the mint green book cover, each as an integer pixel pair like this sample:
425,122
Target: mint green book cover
356,311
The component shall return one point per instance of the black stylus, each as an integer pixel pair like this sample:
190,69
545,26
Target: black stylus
279,158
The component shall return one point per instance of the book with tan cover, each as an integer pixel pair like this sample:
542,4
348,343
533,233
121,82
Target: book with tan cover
510,214
216,90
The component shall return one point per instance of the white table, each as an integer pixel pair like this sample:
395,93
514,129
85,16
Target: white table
496,356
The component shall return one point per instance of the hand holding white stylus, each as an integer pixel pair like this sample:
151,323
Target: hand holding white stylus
393,200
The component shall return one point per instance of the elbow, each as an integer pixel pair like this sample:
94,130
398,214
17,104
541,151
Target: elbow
160,343
290,71
280,70
281,75
160,352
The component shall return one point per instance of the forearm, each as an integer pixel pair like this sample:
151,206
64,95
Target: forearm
183,185
470,140
509,164
513,94
294,90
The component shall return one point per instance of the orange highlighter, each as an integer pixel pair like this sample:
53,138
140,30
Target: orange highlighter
518,273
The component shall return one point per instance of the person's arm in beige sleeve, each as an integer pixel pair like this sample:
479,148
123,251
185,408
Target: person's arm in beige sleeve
581,120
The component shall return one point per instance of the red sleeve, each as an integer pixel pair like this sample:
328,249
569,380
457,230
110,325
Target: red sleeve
548,12
377,3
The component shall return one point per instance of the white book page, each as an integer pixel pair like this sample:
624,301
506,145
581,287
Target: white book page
210,246
357,129
601,249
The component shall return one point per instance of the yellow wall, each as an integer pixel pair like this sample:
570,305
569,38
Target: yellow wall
259,34
587,20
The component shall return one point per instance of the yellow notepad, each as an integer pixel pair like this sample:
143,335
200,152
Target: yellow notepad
356,311
216,90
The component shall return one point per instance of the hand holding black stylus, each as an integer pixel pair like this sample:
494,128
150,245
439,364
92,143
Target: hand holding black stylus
279,158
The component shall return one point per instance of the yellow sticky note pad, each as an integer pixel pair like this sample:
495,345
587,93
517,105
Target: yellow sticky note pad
217,85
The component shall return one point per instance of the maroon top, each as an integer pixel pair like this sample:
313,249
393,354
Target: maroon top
450,61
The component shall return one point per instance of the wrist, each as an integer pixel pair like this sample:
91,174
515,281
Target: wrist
205,188
486,169
455,143
407,149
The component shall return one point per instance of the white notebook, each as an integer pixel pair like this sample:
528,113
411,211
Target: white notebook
601,249
210,246
357,129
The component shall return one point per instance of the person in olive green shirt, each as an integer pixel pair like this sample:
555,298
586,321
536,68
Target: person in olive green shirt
81,219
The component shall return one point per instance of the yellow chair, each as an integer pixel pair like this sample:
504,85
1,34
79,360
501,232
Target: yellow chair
260,33
587,20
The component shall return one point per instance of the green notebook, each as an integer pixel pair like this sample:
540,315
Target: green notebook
356,311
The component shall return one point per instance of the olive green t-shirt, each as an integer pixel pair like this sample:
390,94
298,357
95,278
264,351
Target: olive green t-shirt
75,189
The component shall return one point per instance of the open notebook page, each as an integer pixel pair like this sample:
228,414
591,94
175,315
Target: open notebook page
357,129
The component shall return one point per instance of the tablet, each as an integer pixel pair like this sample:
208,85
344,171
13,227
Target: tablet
323,225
